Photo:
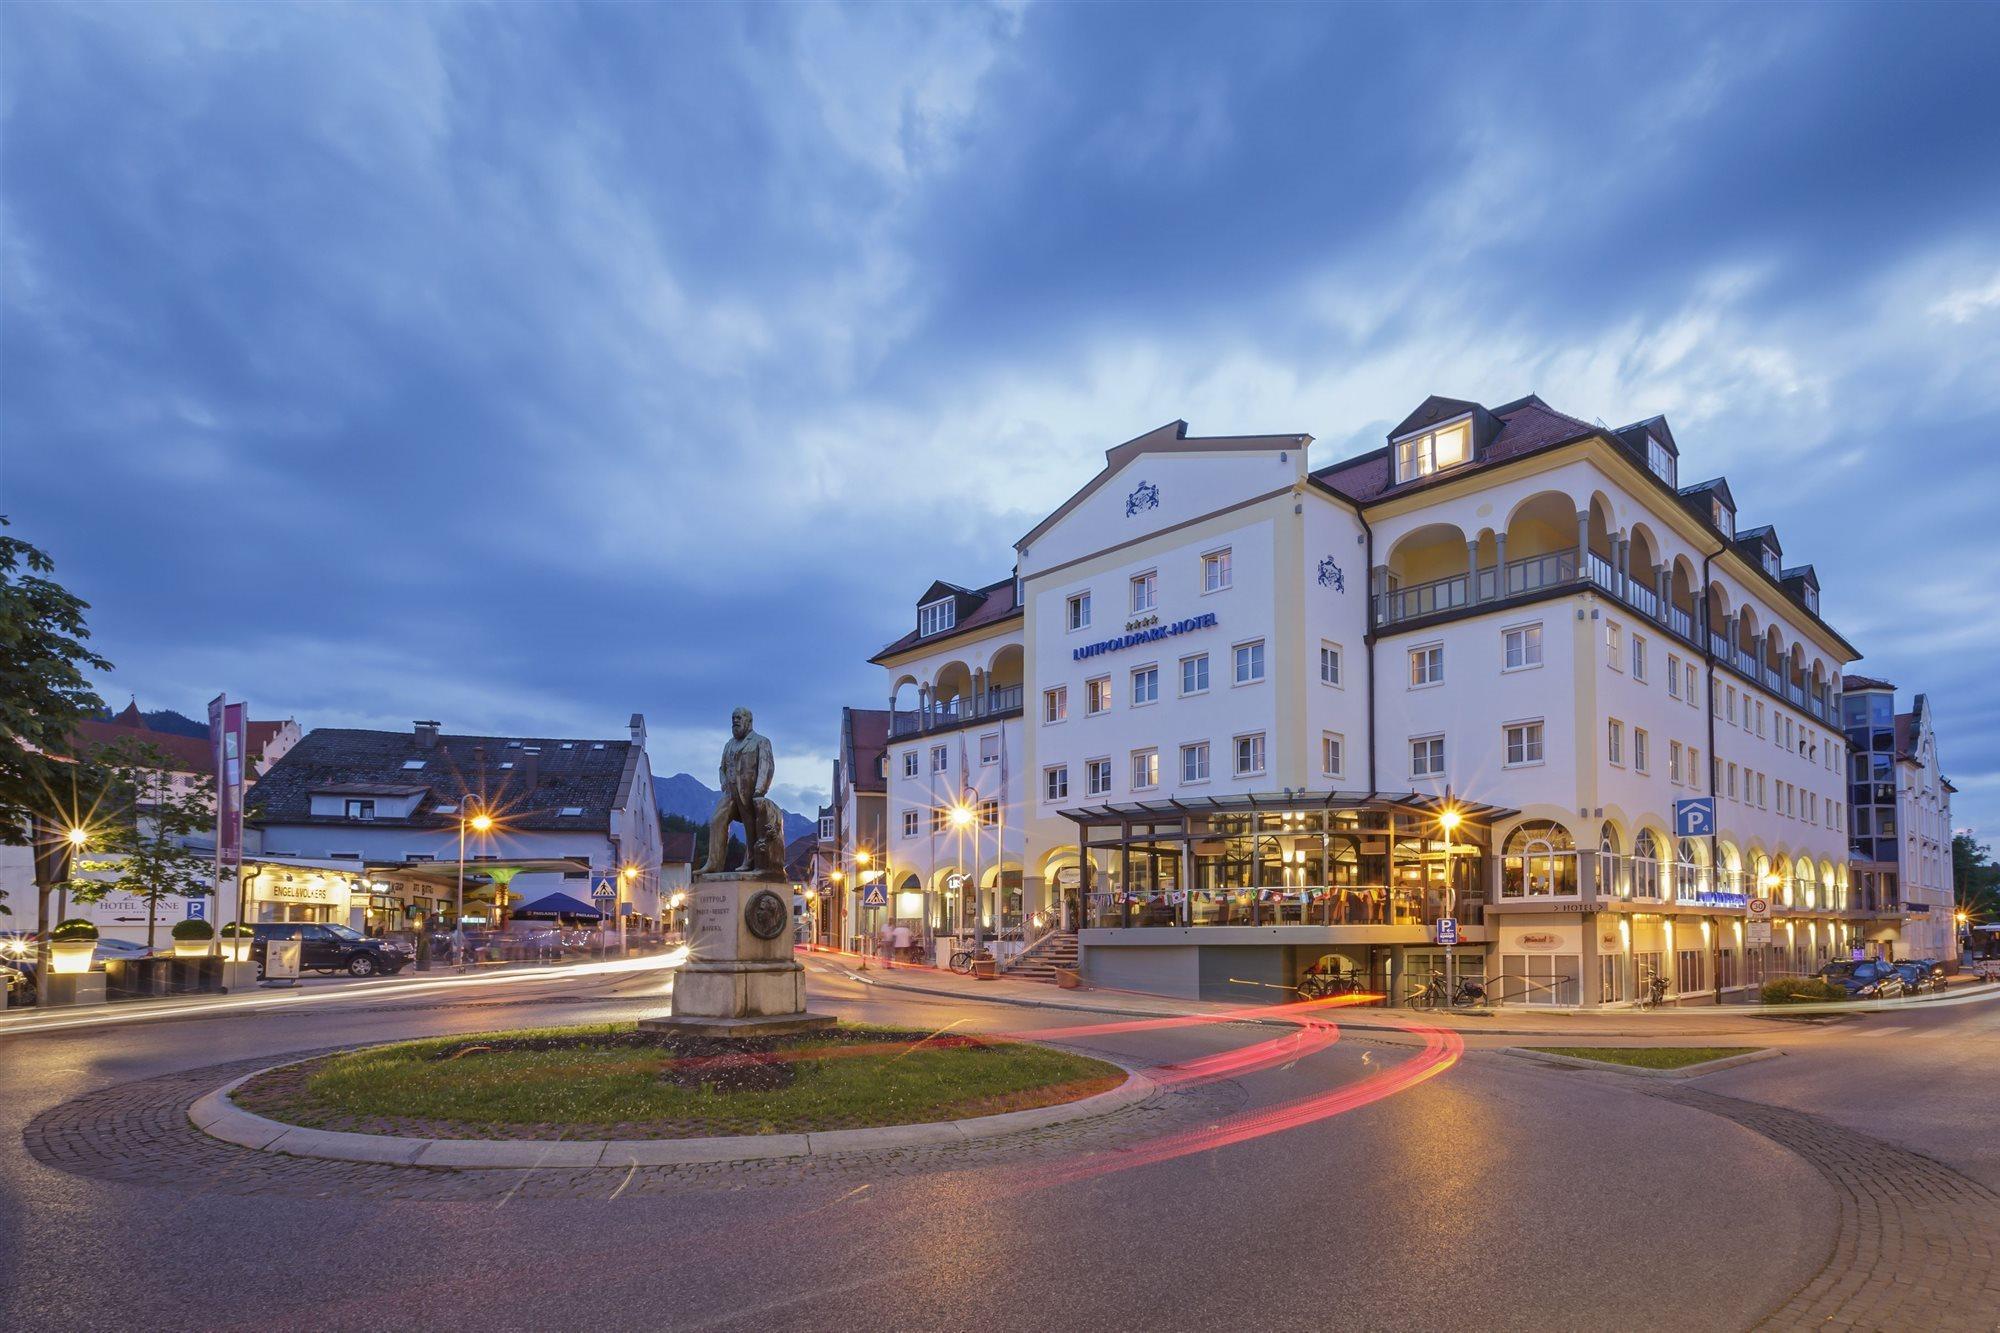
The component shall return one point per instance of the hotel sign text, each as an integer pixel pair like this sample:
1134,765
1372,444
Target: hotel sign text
1204,621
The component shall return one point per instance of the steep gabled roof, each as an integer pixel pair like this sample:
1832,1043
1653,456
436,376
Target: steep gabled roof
1523,426
982,607
589,774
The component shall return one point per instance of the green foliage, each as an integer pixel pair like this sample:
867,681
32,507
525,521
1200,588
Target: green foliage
141,848
1802,990
236,930
43,692
1649,1057
192,929
1976,878
75,928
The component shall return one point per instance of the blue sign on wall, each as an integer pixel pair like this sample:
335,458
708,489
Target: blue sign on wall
1206,620
197,909
1694,817
875,895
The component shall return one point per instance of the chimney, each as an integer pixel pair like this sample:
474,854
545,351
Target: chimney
638,725
530,768
427,733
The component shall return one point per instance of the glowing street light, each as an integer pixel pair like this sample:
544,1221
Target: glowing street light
960,816
481,822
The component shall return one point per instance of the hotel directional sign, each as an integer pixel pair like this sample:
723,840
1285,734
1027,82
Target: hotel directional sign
1694,817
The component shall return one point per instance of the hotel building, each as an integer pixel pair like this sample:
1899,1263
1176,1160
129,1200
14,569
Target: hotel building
1232,719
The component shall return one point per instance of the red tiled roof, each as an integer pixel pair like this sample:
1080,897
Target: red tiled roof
184,754
870,728
998,604
1864,683
1525,427
260,734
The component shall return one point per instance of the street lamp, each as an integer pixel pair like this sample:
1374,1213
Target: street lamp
1448,820
480,823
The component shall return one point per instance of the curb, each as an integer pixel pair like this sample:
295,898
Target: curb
1686,1071
217,1116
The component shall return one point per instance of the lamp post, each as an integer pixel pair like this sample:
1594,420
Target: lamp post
479,823
962,817
1448,820
53,857
626,874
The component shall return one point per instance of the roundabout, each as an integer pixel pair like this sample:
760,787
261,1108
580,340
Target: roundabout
619,1096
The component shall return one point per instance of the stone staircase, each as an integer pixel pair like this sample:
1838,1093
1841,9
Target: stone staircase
1039,961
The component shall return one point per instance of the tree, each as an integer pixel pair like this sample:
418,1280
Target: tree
1976,878
43,695
143,850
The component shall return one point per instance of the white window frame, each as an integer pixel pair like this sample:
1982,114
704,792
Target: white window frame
1096,696
1424,652
937,617
912,762
1055,705
1673,675
1097,776
1255,741
1145,589
1641,760
1674,763
1255,649
1427,741
940,759
1639,657
1614,742
1332,745
1417,456
1330,655
1534,743
1199,752
1614,645
910,824
1143,761
1218,570
984,757
1055,783
1076,611
1530,632
1195,659
1152,668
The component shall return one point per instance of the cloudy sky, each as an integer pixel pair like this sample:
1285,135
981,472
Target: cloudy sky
526,366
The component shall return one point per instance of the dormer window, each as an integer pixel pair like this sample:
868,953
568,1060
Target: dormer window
936,617
1770,562
1660,459
1725,517
1433,451
1812,599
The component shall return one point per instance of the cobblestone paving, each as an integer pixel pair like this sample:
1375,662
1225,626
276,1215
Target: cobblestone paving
139,1133
1915,1241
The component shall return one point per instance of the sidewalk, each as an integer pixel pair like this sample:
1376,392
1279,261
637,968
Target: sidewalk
1656,1025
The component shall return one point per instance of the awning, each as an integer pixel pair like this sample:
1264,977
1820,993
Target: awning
559,904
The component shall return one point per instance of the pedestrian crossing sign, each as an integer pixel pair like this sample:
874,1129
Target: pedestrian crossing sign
875,895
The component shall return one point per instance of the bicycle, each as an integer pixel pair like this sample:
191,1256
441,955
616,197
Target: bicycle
1656,992
963,959
1433,995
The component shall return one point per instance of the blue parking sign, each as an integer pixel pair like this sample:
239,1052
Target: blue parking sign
197,909
1694,817
1447,930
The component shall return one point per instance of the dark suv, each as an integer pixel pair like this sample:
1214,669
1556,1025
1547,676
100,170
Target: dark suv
1873,980
330,948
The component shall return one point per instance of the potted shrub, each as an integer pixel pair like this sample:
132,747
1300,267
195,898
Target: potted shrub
71,945
192,938
236,942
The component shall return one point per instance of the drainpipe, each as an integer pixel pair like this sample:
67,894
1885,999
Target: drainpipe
1368,642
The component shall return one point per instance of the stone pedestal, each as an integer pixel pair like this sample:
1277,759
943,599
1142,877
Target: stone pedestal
740,979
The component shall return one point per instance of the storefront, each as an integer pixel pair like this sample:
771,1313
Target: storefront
1243,897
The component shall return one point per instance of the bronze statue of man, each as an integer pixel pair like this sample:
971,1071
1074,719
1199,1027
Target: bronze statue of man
745,777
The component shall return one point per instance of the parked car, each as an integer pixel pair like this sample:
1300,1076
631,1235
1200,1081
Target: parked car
1871,980
1921,974
17,981
331,948
107,950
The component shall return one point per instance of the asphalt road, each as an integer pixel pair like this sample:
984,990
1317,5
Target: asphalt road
1496,1194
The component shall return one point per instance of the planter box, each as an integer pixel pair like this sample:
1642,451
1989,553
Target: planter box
193,948
985,969
71,957
1069,978
74,988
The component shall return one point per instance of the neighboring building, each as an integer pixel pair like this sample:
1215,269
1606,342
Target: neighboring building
190,760
1217,713
1899,805
851,842
956,761
573,816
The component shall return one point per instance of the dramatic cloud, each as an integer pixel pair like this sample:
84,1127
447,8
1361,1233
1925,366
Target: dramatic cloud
527,367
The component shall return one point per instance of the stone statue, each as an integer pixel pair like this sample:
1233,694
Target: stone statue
745,777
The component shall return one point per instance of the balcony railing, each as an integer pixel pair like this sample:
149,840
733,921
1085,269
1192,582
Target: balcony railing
1515,578
1681,623
1643,599
1002,700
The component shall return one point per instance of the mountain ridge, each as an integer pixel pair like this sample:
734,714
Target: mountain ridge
689,797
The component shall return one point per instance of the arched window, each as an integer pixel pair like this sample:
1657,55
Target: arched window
1539,861
1729,875
1646,866
1612,881
1805,882
1691,870
1781,882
